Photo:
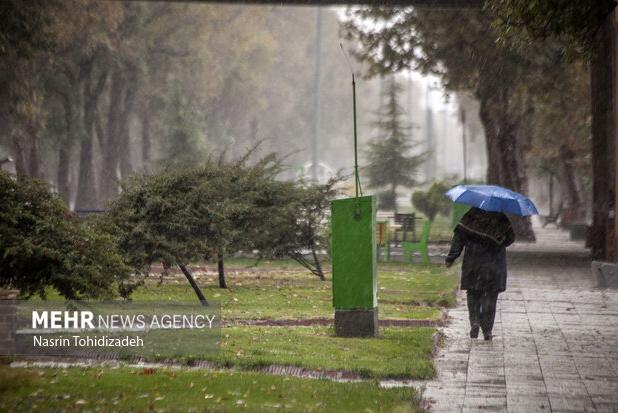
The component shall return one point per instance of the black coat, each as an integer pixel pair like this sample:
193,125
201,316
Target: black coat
484,262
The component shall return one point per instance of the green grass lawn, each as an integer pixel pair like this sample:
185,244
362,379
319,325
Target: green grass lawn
269,291
397,353
283,290
404,291
166,390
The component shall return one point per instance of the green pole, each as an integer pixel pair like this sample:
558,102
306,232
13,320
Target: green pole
356,180
357,185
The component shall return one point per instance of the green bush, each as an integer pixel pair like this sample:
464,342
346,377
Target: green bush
432,202
43,245
216,210
182,215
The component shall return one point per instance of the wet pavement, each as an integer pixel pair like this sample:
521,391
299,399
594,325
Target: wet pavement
555,346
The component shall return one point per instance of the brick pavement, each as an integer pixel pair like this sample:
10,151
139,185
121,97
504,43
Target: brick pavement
556,340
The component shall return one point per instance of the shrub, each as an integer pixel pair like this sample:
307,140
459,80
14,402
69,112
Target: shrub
218,209
432,202
43,245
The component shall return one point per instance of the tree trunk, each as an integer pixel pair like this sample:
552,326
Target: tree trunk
64,153
87,198
87,194
318,265
603,159
35,160
126,168
504,155
221,269
19,155
513,174
146,140
117,155
572,203
194,285
25,98
109,173
491,141
63,173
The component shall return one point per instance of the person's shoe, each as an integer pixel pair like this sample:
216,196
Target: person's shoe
487,336
474,332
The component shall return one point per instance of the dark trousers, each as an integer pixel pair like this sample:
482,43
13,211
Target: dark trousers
482,308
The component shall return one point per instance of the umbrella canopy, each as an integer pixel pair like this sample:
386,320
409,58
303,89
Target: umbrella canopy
492,198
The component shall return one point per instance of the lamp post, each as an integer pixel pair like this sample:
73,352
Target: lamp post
430,164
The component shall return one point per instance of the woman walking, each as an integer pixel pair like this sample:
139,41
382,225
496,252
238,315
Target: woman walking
484,236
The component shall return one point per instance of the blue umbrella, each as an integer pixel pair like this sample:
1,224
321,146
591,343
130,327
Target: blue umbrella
492,198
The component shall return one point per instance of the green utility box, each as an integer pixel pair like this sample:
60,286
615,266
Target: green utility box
354,266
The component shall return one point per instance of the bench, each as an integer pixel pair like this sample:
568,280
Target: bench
421,246
407,223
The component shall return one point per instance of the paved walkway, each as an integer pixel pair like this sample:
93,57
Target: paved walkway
556,340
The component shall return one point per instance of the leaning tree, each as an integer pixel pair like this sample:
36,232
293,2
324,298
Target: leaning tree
180,216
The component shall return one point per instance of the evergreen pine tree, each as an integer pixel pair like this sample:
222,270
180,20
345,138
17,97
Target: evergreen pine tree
390,162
